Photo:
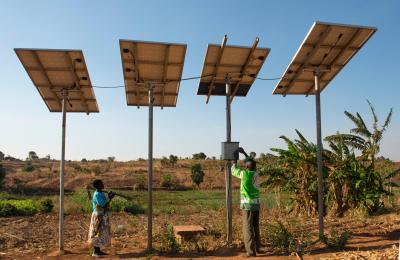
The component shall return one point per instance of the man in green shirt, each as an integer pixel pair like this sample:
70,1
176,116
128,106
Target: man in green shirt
249,201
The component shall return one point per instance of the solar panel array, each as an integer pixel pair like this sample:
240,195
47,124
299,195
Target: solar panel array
158,64
327,46
51,71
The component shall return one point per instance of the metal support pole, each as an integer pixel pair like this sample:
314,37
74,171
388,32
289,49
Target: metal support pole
64,94
228,175
317,74
150,175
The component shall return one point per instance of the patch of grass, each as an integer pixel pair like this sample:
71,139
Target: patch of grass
122,205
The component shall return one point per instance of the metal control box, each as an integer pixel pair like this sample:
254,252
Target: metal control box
228,149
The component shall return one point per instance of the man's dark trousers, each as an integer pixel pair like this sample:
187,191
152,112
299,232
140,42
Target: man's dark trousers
251,231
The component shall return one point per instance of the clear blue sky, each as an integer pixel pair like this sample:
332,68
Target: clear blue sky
258,120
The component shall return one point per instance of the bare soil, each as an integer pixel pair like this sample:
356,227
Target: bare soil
36,236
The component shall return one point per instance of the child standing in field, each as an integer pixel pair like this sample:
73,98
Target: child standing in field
100,229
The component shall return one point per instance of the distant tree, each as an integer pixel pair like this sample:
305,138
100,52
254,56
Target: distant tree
268,157
199,156
32,155
2,174
164,161
173,159
111,158
1,156
47,157
197,174
214,158
83,160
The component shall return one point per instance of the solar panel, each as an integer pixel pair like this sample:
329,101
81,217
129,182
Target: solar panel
51,71
159,64
241,64
327,46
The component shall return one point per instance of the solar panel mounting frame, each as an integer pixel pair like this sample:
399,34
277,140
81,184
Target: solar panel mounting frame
162,83
353,44
83,98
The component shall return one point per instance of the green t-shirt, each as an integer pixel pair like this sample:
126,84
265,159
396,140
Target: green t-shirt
249,188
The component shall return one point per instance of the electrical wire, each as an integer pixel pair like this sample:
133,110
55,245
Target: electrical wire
190,78
109,87
278,78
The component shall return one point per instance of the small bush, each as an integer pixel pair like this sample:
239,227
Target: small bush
166,180
28,167
140,182
46,205
336,240
197,174
168,240
279,236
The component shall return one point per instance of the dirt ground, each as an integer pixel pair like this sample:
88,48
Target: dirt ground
35,237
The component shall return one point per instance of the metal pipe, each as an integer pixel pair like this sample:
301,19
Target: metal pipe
150,175
228,175
317,74
64,94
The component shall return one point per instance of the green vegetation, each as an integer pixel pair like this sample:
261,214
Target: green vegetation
199,156
337,240
23,207
173,159
197,174
79,202
28,167
168,241
170,161
351,181
280,237
46,205
140,182
164,161
2,174
166,180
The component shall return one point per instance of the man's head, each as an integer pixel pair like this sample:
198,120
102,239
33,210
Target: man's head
250,164
98,184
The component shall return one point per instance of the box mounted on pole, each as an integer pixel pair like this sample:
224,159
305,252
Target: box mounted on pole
230,71
327,48
62,79
152,75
